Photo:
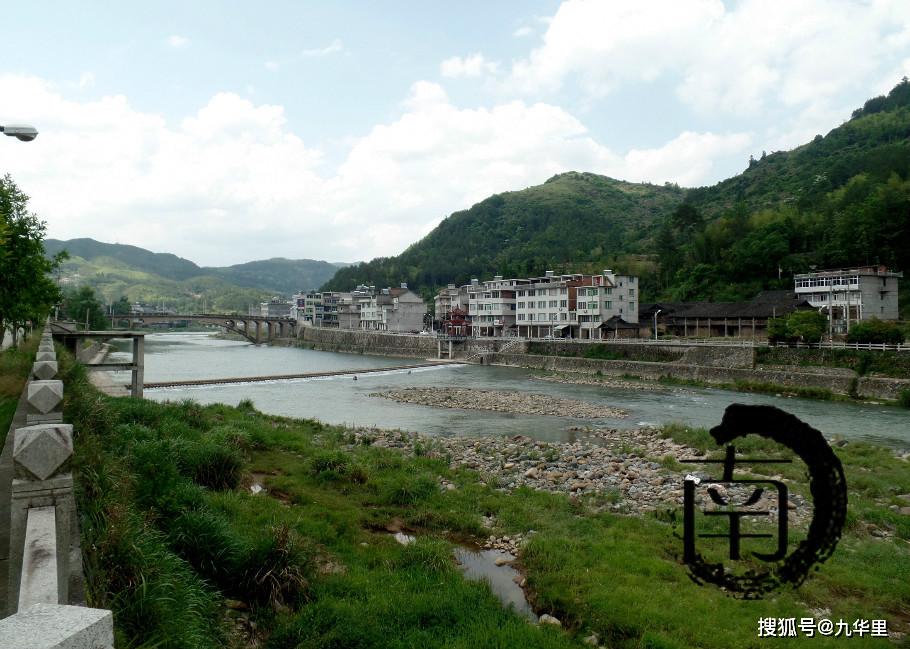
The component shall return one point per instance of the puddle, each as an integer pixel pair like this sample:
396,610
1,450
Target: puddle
481,566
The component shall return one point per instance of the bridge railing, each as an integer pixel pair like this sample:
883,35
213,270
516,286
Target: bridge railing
42,594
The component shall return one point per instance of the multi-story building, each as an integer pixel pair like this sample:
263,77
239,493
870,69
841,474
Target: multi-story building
576,305
492,306
392,309
275,308
851,294
449,298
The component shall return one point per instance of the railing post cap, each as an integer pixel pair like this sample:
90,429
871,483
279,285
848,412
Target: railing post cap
40,451
44,396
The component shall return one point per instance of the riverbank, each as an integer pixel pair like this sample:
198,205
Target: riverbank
165,490
814,374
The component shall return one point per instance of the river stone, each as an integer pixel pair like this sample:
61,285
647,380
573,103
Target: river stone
549,619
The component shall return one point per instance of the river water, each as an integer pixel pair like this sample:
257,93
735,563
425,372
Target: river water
341,400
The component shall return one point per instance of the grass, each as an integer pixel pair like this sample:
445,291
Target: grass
167,544
15,365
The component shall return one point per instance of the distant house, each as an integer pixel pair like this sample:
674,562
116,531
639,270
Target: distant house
275,308
747,319
851,294
393,309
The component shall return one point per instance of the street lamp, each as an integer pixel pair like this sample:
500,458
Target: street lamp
655,323
22,132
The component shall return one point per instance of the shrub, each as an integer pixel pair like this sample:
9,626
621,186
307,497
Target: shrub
409,490
217,466
876,331
904,398
330,465
273,572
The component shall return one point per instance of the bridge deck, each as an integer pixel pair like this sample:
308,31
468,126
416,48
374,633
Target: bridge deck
285,377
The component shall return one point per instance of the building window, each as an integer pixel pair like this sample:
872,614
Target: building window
521,316
541,304
553,315
631,306
563,316
608,305
553,304
609,291
564,303
631,292
592,305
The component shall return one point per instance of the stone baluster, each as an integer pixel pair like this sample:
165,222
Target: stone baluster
42,478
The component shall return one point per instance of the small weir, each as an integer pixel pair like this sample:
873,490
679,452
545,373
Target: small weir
288,377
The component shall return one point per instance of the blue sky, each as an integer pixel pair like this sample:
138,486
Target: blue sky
226,131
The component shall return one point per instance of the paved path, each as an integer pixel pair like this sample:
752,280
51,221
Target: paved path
284,377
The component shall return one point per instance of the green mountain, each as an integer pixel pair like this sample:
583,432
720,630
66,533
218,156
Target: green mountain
842,199
116,270
572,219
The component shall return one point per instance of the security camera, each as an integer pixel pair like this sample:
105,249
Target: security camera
22,132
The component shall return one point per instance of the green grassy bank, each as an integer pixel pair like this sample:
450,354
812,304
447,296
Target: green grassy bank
15,364
186,556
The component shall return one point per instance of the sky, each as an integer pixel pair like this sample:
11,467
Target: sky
230,131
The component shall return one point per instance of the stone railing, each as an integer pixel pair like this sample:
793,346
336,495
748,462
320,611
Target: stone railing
40,558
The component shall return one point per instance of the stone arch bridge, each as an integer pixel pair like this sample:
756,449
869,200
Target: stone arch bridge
256,329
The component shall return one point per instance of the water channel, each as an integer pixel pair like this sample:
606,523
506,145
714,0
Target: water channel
342,400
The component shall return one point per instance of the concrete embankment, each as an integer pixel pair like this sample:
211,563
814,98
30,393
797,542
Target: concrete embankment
838,381
721,366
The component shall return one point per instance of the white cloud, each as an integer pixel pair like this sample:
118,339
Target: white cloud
332,48
467,67
738,59
522,31
272,65
178,42
230,182
688,159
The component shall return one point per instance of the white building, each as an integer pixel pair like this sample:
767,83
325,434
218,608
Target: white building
492,306
851,294
571,306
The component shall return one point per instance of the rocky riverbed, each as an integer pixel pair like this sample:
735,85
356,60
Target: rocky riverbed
524,403
604,381
627,471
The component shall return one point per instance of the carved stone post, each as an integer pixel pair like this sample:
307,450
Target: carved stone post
41,478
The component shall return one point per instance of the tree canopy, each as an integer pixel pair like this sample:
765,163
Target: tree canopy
27,291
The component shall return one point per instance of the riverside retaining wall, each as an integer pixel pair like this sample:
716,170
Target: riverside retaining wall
714,365
839,382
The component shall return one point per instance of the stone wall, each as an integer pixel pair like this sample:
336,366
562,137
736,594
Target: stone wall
839,382
405,345
367,342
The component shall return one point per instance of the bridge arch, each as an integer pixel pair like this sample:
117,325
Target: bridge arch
250,327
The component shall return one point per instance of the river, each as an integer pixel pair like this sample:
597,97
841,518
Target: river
342,400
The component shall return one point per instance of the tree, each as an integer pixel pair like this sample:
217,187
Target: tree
876,331
27,291
806,326
82,304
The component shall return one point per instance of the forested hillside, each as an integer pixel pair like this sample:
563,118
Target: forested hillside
842,199
570,219
117,270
